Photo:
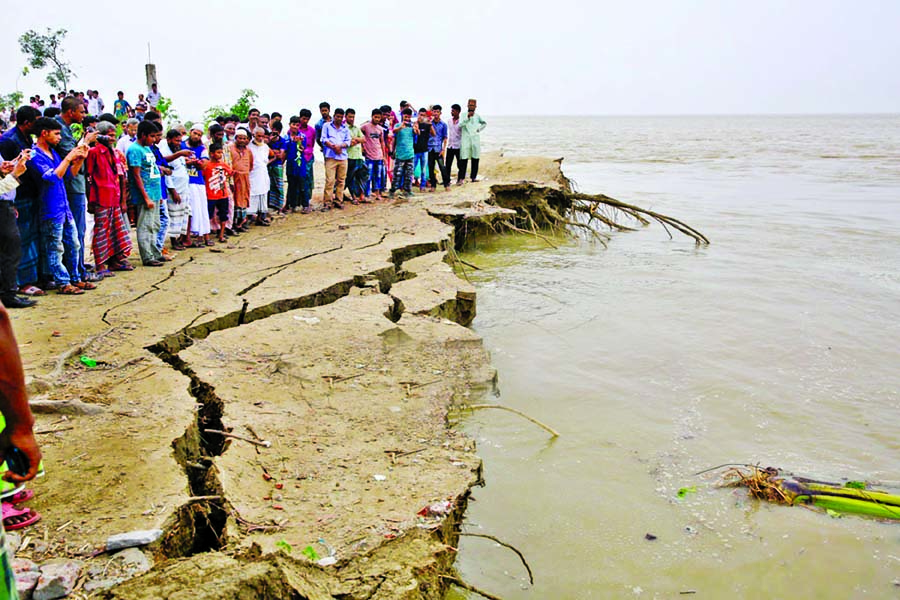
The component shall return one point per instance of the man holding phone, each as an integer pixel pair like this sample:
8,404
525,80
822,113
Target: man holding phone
10,240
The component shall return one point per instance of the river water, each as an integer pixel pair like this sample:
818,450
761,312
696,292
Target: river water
778,344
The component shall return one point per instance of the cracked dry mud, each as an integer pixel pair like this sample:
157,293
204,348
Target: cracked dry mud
339,338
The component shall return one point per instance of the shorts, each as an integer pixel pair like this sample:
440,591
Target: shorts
218,207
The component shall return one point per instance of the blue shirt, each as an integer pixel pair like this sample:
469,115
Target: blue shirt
195,175
277,146
142,156
403,143
54,203
335,135
436,142
160,162
75,184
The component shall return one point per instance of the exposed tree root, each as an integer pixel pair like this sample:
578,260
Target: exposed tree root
546,428
505,545
469,587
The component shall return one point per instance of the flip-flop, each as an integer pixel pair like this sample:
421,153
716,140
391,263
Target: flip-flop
70,290
32,290
19,497
15,518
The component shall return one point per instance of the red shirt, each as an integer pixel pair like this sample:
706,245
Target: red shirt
103,167
215,175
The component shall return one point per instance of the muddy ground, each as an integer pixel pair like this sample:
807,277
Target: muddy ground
335,341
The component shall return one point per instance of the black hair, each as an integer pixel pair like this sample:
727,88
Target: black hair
436,107
305,112
215,147
151,115
215,128
220,119
159,126
146,128
296,119
407,111
456,107
423,111
403,103
376,111
172,134
27,114
70,103
324,105
266,115
256,110
385,108
276,126
233,119
51,111
43,124
89,120
276,115
109,118
338,111
120,92
350,111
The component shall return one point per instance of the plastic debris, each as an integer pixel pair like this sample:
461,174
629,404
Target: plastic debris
379,477
438,509
687,490
88,361
131,539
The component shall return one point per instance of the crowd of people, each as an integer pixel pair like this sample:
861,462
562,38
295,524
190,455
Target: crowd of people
75,175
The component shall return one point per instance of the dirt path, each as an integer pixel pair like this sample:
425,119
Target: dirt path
336,341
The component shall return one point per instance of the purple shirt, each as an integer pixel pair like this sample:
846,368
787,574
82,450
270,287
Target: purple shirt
54,204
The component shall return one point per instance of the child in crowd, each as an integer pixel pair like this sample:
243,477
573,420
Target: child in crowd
215,176
374,153
404,154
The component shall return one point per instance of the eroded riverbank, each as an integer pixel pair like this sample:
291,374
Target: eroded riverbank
337,339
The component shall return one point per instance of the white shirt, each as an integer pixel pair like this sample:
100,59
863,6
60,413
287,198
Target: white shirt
94,106
259,175
124,143
152,98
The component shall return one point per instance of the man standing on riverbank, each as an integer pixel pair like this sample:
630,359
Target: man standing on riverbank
325,111
145,191
335,142
27,200
374,151
76,185
454,140
437,144
356,166
153,96
470,145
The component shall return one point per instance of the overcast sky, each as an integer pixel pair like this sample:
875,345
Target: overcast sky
522,57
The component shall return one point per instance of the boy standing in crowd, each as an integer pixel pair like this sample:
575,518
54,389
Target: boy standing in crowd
374,152
216,174
454,140
146,182
357,176
437,144
422,131
404,154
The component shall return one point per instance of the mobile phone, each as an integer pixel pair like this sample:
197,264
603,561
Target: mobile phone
16,461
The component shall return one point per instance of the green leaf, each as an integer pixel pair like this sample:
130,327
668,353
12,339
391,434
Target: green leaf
687,490
310,553
856,485
283,545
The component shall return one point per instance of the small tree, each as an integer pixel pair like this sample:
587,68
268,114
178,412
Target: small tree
11,101
241,108
45,49
167,112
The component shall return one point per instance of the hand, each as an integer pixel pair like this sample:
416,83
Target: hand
90,138
149,203
21,437
176,198
21,164
185,153
165,170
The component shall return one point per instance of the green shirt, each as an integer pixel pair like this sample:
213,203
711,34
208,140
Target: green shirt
355,152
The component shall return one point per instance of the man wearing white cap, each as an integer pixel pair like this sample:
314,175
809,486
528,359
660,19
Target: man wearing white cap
199,210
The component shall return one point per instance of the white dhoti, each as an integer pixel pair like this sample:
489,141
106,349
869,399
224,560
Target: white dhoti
199,210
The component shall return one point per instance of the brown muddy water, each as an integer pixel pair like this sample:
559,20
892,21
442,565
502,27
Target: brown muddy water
779,344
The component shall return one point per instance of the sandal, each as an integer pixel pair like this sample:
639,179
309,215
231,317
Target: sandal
19,497
32,290
69,290
85,285
15,518
122,267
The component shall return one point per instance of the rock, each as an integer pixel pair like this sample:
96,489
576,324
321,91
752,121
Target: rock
58,579
13,541
133,560
132,539
23,565
25,584
96,585
64,407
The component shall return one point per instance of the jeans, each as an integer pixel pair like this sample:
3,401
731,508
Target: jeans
403,175
435,158
10,247
163,224
420,162
147,230
376,176
78,206
61,247
451,154
335,178
31,265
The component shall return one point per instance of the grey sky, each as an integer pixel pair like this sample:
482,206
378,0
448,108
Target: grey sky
548,57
